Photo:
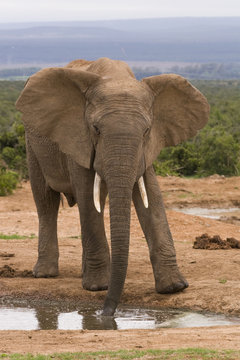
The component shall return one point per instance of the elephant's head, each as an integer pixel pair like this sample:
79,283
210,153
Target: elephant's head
102,117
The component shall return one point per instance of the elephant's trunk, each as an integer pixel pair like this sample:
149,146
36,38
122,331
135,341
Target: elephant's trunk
120,211
120,176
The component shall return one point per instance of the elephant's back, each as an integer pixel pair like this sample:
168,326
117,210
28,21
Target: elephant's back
80,64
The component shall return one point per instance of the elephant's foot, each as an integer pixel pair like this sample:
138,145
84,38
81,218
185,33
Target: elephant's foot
45,269
169,281
96,280
109,307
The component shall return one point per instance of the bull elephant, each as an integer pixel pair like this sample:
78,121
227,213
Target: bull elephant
93,129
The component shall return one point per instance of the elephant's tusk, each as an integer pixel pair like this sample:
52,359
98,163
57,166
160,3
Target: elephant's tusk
143,191
96,192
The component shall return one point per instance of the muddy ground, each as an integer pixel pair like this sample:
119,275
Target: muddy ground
213,275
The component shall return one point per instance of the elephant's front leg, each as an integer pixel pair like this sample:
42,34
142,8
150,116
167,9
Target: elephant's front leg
47,203
95,257
168,278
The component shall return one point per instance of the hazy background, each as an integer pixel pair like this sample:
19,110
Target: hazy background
75,10
152,36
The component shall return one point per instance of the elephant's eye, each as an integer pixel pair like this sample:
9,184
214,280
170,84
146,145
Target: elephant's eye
146,132
96,129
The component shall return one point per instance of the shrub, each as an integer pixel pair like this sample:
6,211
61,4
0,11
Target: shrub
13,150
8,181
165,168
220,153
183,159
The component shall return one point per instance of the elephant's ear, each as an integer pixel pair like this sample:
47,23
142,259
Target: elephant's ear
179,111
53,106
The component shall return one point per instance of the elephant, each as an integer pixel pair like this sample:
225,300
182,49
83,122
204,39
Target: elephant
92,130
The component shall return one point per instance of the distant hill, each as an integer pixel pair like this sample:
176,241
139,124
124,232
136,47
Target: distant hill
191,40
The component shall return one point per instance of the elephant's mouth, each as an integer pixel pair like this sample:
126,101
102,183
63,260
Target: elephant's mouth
97,191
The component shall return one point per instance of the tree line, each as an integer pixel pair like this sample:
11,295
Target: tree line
205,71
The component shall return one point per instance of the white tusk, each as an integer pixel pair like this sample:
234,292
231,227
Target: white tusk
143,191
96,192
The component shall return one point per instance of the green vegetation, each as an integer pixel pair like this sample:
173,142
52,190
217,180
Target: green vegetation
215,149
12,141
8,182
9,92
182,354
222,281
16,237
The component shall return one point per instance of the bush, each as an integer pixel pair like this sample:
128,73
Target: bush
165,168
13,150
213,151
220,153
183,159
8,181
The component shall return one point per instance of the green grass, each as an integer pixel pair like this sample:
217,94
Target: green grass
222,281
16,236
182,354
184,196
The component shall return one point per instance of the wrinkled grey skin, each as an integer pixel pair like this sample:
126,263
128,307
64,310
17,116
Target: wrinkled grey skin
119,143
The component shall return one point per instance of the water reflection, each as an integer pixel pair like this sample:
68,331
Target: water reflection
90,321
90,318
49,317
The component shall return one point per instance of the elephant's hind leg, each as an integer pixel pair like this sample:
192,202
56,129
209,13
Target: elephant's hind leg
168,278
47,203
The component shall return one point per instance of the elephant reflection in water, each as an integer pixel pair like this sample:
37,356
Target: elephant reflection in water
92,129
48,319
